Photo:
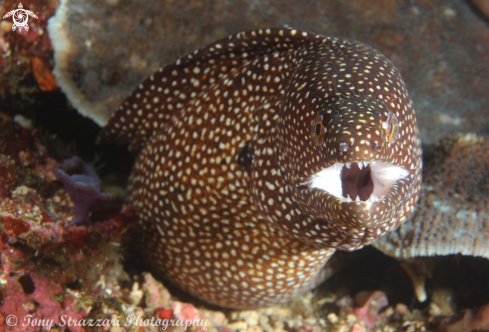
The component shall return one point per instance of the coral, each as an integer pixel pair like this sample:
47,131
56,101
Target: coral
99,64
370,303
45,79
40,255
452,215
47,301
83,185
31,49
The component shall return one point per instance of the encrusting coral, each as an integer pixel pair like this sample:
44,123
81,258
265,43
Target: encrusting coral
452,216
40,254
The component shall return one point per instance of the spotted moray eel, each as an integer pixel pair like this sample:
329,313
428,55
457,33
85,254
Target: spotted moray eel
263,153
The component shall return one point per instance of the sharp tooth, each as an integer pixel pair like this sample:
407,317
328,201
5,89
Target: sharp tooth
360,165
365,163
358,199
348,165
348,199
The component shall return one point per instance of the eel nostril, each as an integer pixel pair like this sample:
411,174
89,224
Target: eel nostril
344,147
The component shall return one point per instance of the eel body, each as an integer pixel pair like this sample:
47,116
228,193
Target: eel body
263,153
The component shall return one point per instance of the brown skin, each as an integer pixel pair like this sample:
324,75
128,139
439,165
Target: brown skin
226,138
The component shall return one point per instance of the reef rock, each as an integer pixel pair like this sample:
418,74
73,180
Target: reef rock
103,50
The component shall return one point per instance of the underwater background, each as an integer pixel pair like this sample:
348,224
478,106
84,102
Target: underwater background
60,81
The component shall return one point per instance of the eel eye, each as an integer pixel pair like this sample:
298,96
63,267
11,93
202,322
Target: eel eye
318,129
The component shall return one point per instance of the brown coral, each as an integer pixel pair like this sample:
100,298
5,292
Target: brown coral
452,216
441,47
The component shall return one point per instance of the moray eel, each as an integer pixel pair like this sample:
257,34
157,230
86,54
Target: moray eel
263,153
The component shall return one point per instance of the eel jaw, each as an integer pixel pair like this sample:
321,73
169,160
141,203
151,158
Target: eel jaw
358,181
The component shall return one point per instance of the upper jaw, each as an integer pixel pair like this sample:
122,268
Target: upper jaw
361,181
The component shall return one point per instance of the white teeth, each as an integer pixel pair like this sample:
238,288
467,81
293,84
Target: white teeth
373,198
383,175
361,165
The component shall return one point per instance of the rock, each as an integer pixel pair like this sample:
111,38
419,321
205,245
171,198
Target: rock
99,64
238,325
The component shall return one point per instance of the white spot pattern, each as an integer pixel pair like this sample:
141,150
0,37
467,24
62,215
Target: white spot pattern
226,145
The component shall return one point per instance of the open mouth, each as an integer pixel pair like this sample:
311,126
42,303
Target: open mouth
358,181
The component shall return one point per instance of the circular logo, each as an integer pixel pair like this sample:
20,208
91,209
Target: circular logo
11,320
20,17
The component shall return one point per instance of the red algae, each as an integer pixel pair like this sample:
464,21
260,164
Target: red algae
370,304
43,75
22,46
40,254
15,226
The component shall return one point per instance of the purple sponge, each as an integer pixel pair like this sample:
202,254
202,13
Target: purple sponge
83,185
